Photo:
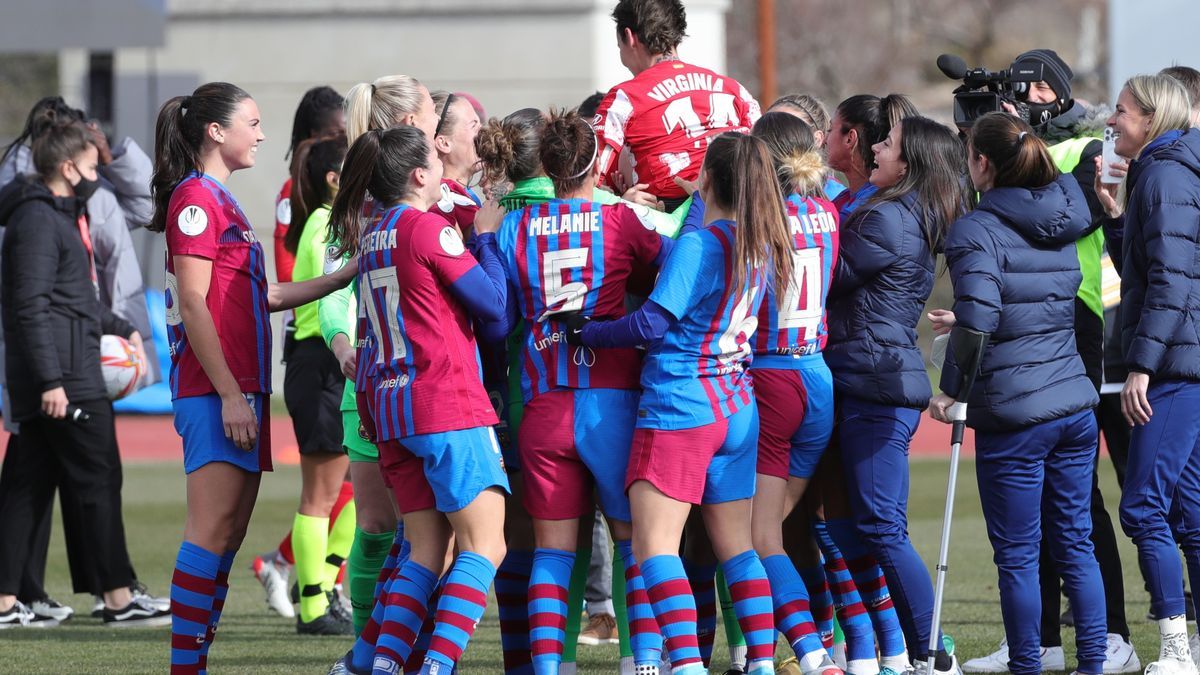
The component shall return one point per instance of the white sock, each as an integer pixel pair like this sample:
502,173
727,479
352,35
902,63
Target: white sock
1173,637
761,667
898,663
626,667
567,668
644,669
862,667
737,657
813,660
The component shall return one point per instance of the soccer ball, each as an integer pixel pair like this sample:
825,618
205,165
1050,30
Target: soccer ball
122,367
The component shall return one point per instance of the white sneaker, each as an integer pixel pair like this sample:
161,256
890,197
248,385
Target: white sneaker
1120,657
20,616
1170,667
139,590
997,662
273,575
1194,647
51,608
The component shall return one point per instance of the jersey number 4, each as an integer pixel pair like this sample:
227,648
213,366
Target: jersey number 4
802,303
384,285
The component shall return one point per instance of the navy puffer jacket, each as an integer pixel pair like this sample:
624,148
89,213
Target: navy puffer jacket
884,276
1160,269
1015,273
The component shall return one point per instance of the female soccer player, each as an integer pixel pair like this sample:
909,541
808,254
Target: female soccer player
573,254
319,114
218,300
1159,313
454,137
1015,272
858,124
884,275
312,388
811,110
418,376
792,384
697,431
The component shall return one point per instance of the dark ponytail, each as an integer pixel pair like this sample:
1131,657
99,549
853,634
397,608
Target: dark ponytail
317,107
48,113
1018,156
315,158
567,150
179,137
873,118
741,177
379,163
936,167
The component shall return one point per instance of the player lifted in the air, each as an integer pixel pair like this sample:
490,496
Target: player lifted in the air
667,114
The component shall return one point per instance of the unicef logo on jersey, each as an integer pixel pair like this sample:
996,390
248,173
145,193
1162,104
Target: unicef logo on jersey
395,382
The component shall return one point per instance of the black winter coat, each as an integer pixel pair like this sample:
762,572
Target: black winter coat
1160,260
1015,272
52,315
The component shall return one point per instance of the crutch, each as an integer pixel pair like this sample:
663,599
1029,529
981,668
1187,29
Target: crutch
967,347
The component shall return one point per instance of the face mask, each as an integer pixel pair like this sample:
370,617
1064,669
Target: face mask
85,188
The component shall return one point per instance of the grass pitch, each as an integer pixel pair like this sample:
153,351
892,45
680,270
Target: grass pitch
254,640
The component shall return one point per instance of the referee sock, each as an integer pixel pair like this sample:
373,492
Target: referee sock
512,599
367,555
675,609
220,592
464,598
407,600
872,587
733,632
193,585
645,640
820,603
851,613
583,557
548,607
751,593
340,538
310,536
703,580
792,615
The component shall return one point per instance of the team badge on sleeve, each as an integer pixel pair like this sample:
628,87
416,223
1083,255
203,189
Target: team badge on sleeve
451,241
192,220
333,262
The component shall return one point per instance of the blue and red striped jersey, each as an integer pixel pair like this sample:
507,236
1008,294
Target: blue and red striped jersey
205,221
798,328
697,374
574,255
418,363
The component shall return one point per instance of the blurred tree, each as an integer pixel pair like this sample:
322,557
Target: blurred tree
23,80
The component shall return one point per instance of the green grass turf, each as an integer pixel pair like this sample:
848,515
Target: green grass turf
253,640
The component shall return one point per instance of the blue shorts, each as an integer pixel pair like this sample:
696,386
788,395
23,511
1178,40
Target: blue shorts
445,470
709,464
795,411
198,423
574,440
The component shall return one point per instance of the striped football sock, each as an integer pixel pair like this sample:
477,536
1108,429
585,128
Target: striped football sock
703,580
675,610
193,585
464,597
851,613
407,600
512,599
872,587
751,594
645,639
792,615
548,607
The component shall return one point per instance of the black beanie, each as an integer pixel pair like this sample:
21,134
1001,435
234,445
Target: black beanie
1056,72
